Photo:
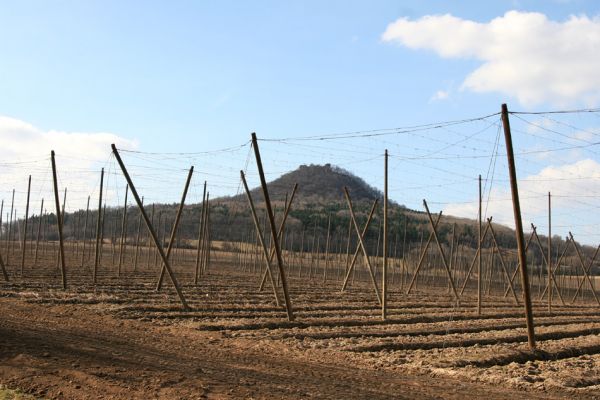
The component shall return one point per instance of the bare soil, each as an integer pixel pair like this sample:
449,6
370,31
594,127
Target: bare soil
122,339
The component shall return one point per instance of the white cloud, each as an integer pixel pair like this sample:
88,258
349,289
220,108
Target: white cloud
440,95
567,183
524,54
26,150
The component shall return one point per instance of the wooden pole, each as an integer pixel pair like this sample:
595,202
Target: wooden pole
85,228
122,244
137,240
4,273
98,227
423,253
327,247
362,245
59,223
433,229
9,237
287,208
260,237
263,182
200,233
151,229
37,241
350,267
175,225
549,261
385,241
204,236
25,227
148,252
519,228
479,244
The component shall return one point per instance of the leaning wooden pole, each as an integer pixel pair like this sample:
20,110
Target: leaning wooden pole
59,223
98,227
263,182
137,240
25,226
122,243
518,228
287,208
385,241
260,237
150,229
175,226
200,232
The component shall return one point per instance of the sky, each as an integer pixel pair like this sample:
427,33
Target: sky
184,83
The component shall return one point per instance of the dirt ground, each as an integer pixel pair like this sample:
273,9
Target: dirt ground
74,351
121,339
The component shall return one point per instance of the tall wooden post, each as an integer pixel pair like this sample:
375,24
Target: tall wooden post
327,248
151,229
37,241
200,232
59,223
122,244
549,263
263,182
385,240
518,228
9,237
98,227
479,244
137,239
85,228
25,226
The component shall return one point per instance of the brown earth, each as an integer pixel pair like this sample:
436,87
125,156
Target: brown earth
72,351
121,339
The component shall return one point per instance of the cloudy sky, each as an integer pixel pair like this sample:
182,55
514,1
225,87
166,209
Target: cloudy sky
197,77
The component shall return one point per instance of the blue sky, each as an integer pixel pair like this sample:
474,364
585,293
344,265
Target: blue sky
194,76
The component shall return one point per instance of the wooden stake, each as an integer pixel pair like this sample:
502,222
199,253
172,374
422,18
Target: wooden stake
98,228
479,244
200,233
385,241
85,225
549,261
122,244
362,244
263,182
175,225
423,253
25,227
518,228
433,228
59,223
137,240
350,268
286,211
37,241
4,273
327,248
151,229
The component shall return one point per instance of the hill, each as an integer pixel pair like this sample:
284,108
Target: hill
318,184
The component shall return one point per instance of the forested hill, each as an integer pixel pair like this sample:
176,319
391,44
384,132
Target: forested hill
319,199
